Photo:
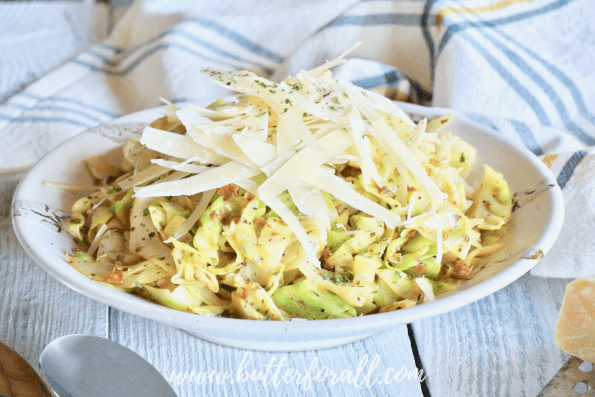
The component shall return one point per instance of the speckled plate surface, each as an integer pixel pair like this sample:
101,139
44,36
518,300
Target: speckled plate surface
38,210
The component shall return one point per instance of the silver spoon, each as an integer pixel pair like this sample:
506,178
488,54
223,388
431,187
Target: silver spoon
91,366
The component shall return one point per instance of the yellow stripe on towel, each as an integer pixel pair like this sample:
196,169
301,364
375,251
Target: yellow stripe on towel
476,10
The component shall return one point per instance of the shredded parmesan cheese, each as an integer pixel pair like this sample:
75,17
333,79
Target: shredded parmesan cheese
286,134
214,178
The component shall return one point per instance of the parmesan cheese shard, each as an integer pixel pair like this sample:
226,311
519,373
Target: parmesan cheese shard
181,166
287,136
261,153
222,144
248,185
146,175
303,161
426,288
575,328
337,187
309,200
292,121
362,145
212,179
339,60
249,83
181,146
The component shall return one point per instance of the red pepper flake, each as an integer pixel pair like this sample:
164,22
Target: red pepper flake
115,277
461,270
420,270
326,254
165,283
216,216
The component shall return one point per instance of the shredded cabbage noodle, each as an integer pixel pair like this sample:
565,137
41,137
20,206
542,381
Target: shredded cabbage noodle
304,199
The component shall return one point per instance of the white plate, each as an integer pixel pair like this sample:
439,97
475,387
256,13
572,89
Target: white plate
37,210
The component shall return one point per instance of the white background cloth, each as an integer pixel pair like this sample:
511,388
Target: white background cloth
521,67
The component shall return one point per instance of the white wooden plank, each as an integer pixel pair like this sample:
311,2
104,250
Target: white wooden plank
177,354
502,345
35,308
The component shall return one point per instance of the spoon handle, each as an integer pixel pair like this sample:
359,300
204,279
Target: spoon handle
17,377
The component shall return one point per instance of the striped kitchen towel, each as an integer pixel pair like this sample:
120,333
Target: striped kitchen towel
521,67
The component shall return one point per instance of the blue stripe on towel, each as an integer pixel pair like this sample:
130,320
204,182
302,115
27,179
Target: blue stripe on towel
111,47
547,89
451,30
79,103
523,92
69,100
45,120
557,73
570,167
392,78
217,28
527,137
217,50
375,19
57,109
179,31
481,119
124,54
144,56
238,39
425,26
103,58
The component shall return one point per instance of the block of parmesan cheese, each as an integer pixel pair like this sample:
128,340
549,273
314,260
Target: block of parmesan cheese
575,328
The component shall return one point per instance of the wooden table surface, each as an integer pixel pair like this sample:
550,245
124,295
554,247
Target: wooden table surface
502,345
